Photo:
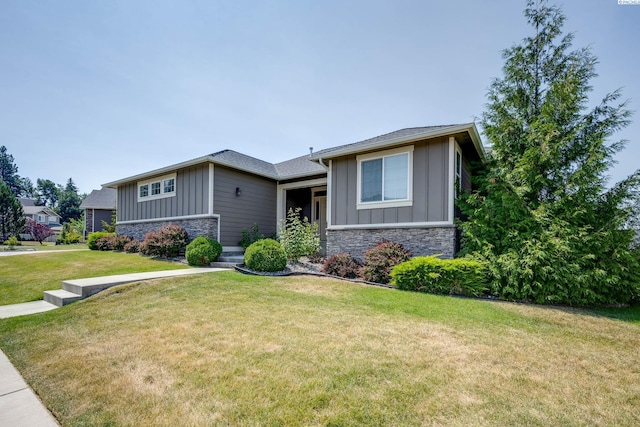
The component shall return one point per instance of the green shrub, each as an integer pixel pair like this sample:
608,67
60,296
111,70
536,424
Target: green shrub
265,255
12,242
250,236
460,276
342,265
166,242
379,260
69,234
203,250
133,247
298,236
93,238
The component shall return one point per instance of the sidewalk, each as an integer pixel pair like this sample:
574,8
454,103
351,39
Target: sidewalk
19,406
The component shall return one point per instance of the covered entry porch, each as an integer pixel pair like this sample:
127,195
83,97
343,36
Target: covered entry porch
311,197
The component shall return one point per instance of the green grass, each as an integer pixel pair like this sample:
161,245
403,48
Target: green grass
24,278
228,349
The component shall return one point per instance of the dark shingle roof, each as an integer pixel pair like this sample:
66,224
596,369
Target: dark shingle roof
247,163
104,198
381,140
300,166
26,202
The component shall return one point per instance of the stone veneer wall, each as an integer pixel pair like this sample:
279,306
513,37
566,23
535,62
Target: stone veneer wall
88,221
194,227
419,241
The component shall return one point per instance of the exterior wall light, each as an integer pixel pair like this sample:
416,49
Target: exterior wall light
238,192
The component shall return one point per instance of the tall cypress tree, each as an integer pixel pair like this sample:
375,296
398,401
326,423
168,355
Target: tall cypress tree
543,217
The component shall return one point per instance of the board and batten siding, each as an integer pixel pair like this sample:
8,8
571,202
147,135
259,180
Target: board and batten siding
255,204
430,189
191,198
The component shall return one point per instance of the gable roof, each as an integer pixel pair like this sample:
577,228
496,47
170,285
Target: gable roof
399,137
34,210
310,165
105,198
26,202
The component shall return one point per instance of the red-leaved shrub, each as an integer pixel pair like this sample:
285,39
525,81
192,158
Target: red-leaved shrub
166,242
379,260
341,265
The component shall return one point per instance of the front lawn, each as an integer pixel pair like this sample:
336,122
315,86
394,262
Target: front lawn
228,349
24,278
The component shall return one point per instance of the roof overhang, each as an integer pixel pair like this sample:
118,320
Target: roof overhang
470,128
188,163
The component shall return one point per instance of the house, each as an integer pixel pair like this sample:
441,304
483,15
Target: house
42,214
98,206
400,186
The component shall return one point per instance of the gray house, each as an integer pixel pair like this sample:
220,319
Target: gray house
98,206
400,187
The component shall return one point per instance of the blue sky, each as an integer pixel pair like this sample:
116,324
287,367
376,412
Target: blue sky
101,90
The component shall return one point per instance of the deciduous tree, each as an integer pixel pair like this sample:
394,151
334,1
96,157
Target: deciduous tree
39,232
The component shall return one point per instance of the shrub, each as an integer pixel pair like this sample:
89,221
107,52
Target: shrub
133,247
379,260
166,242
250,236
342,265
12,242
105,243
203,250
298,236
93,238
120,242
265,255
39,232
460,276
69,234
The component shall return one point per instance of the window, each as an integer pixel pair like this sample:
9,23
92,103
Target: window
42,218
169,185
157,188
385,179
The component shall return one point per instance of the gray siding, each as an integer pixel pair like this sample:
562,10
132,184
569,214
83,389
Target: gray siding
256,204
430,189
191,198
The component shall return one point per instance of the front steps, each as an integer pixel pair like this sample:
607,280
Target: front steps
229,260
74,290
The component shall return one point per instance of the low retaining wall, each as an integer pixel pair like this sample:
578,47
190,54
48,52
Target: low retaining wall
194,227
418,241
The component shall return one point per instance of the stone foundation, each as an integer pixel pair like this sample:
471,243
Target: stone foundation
194,227
418,241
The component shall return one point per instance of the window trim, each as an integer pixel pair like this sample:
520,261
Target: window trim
457,174
160,180
381,155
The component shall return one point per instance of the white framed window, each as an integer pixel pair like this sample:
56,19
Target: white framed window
42,218
385,179
157,188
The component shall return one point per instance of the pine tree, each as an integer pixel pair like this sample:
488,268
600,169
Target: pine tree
9,172
11,212
543,216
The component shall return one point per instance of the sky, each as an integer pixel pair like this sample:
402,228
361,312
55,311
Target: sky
102,90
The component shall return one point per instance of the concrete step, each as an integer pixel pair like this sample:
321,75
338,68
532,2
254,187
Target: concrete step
60,297
224,264
233,258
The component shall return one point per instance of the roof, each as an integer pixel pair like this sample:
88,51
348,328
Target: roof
33,210
104,198
399,137
26,202
310,165
298,167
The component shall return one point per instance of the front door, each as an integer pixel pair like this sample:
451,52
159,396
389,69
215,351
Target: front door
320,215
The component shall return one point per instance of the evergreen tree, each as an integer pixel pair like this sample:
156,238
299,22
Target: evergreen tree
69,202
9,172
11,213
48,192
543,216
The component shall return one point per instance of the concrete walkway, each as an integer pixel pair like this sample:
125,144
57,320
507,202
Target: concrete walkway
19,406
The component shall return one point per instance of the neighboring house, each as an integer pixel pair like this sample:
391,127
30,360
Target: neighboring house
399,187
98,206
43,215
